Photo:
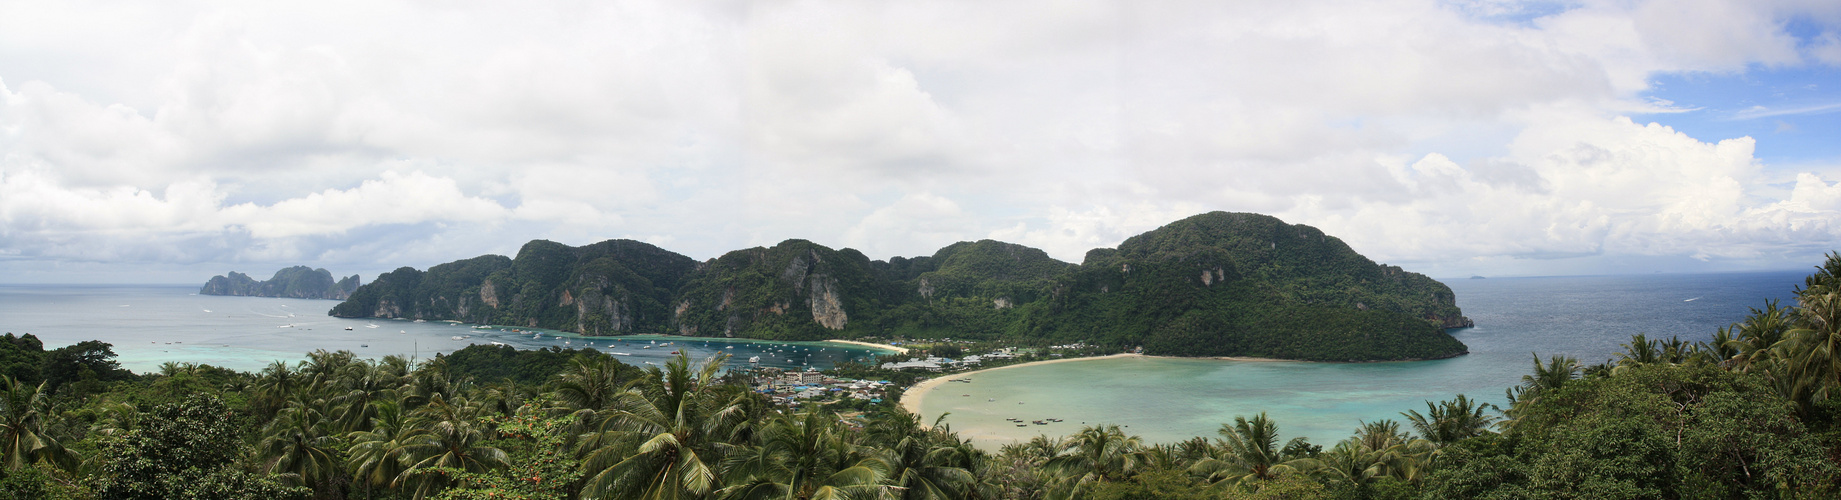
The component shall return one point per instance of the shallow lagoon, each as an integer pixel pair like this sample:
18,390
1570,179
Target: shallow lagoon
1166,400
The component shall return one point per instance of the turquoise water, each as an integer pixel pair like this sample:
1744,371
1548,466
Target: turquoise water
149,325
1167,400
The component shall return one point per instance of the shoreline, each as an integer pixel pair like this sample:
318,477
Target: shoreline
912,397
902,350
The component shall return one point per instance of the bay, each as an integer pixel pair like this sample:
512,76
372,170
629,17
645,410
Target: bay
1168,400
150,325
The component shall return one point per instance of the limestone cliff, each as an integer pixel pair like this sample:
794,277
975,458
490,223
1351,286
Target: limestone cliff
299,282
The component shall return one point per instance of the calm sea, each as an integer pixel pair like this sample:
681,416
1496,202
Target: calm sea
150,325
1166,400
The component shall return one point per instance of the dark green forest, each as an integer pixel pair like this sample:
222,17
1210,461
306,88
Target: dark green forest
1216,284
1749,413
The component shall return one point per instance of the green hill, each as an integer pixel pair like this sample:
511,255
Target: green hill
1216,284
300,282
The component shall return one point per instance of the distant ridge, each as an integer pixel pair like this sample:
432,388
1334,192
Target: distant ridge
1215,284
299,282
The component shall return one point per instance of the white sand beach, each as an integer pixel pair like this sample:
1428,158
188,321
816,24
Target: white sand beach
902,350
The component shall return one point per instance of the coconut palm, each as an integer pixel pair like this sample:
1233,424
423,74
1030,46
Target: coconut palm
919,463
1451,421
362,386
24,439
589,385
1094,455
804,456
1758,333
1248,451
444,435
377,453
662,438
299,446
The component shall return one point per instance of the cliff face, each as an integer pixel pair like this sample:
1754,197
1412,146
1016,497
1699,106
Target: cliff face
616,286
1215,284
300,282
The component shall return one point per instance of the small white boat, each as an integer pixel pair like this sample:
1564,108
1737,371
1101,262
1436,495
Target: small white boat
457,337
498,343
348,328
370,326
421,321
402,331
755,359
621,353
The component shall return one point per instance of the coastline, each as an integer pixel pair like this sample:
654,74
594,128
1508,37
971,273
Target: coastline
902,350
911,398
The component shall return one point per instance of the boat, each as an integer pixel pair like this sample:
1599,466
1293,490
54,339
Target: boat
498,343
348,328
402,331
988,400
361,345
370,326
457,337
755,359
645,347
674,352
621,353
421,321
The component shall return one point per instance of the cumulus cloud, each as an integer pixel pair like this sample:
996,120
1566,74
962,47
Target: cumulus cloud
378,134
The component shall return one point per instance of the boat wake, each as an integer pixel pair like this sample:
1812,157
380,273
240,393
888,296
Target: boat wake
1691,300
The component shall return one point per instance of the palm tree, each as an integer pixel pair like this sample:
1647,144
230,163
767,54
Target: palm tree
364,384
1249,451
589,385
662,438
444,435
1094,455
919,463
1451,421
804,456
24,439
1761,330
298,445
377,453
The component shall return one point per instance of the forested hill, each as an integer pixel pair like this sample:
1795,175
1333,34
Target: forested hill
299,282
1216,284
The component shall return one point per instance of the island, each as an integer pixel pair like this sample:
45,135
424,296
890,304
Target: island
298,282
1214,284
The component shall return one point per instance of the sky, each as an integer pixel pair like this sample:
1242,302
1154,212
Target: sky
165,142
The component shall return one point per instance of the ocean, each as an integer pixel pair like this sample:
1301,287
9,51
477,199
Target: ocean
150,325
1168,400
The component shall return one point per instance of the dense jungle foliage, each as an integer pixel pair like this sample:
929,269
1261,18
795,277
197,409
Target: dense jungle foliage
1216,284
1750,413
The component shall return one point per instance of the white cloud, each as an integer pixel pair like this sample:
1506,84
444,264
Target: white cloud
388,133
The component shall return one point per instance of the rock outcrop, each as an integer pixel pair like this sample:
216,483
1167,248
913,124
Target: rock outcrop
298,282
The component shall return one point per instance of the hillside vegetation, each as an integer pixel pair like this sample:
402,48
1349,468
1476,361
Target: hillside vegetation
298,282
1216,284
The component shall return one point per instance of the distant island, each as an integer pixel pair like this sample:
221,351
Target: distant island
1215,284
299,282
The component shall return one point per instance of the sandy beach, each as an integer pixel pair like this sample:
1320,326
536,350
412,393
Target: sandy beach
911,398
902,350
